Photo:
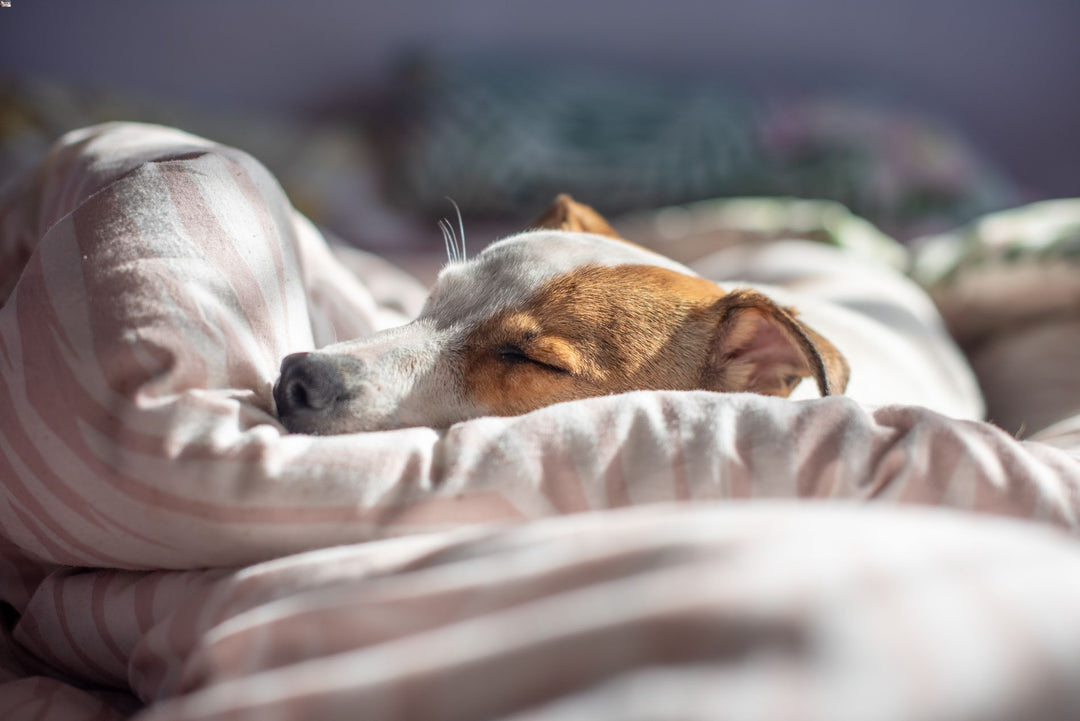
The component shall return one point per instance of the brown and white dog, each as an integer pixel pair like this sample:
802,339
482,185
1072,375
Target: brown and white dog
566,310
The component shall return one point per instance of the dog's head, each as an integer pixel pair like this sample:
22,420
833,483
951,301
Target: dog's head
565,310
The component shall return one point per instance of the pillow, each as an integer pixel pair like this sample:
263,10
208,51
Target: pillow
690,232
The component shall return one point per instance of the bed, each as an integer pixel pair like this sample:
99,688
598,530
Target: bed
167,551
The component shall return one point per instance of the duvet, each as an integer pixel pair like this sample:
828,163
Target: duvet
167,551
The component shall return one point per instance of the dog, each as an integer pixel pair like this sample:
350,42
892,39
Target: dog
564,311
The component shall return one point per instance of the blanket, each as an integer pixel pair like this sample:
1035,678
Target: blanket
167,551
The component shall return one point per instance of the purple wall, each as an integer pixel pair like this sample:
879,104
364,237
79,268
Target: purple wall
1004,70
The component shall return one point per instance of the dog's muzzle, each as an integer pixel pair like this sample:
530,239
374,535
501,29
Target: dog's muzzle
308,390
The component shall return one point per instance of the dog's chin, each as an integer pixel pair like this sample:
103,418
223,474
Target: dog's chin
334,424
294,423
323,424
341,423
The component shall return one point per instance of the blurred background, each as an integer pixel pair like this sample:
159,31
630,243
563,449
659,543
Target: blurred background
917,114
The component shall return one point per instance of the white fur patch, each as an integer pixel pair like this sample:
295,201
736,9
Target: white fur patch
512,270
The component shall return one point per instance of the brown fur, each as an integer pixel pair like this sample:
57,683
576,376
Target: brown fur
565,213
600,330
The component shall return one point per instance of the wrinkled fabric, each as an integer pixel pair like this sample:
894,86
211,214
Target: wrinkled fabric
164,542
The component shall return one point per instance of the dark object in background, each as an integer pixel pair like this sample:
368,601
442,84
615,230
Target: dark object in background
503,139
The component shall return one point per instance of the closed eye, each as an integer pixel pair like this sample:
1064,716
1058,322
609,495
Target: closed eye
514,354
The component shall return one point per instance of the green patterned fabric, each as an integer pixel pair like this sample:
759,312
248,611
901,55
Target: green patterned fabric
1039,234
1005,269
713,224
502,140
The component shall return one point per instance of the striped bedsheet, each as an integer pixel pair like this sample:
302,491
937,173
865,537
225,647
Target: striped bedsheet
167,551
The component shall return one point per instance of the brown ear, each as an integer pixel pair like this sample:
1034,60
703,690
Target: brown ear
565,213
760,347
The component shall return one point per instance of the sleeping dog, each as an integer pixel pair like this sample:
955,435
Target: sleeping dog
569,310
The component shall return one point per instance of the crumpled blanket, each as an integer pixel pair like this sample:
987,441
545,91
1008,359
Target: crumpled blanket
164,544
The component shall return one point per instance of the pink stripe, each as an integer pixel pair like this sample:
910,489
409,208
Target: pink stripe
739,469
478,507
184,631
4,350
40,510
88,668
110,300
99,596
816,457
615,487
1000,493
206,607
56,553
28,633
218,248
559,483
271,227
145,591
680,486
562,486
38,325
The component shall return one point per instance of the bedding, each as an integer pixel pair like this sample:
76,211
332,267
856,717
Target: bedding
168,552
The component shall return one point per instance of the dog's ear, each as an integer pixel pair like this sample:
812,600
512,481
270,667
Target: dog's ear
760,347
565,213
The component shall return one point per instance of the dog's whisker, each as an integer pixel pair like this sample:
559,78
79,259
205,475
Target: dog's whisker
461,226
446,241
453,240
453,251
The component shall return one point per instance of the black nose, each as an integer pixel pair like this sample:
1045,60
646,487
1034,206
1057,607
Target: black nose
307,383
